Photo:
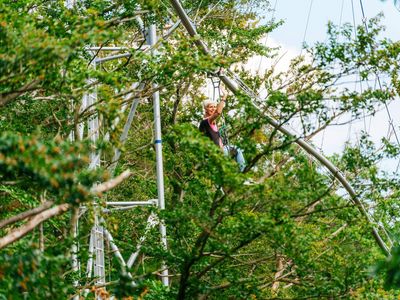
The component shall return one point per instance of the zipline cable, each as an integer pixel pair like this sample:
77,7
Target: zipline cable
306,29
234,87
198,10
209,11
364,19
266,38
341,13
230,32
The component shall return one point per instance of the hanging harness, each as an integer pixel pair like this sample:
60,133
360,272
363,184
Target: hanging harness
216,82
223,132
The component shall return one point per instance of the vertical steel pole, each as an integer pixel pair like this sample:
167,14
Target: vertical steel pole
75,246
152,37
89,267
98,230
99,261
74,253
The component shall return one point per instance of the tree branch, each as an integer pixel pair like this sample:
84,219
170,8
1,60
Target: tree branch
108,185
26,214
280,268
21,231
42,212
8,97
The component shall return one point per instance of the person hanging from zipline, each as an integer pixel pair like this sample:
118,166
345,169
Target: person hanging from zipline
212,111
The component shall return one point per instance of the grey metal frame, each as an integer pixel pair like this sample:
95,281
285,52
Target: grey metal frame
95,263
159,160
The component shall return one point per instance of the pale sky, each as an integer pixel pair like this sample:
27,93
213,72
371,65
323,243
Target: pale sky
290,37
295,14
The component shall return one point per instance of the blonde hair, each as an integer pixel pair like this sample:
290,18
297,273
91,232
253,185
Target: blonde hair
208,102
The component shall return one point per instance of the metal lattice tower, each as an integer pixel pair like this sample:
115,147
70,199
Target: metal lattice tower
99,234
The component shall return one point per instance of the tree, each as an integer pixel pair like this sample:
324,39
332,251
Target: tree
290,235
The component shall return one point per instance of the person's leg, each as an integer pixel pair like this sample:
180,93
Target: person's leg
226,150
240,159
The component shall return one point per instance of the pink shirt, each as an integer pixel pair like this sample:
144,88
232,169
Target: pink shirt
214,127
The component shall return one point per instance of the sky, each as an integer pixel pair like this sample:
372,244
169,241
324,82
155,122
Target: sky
295,29
295,14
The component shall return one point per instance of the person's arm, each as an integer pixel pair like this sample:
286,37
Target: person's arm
220,106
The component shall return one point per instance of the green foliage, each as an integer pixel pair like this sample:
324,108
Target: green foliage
58,166
390,268
291,234
33,275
